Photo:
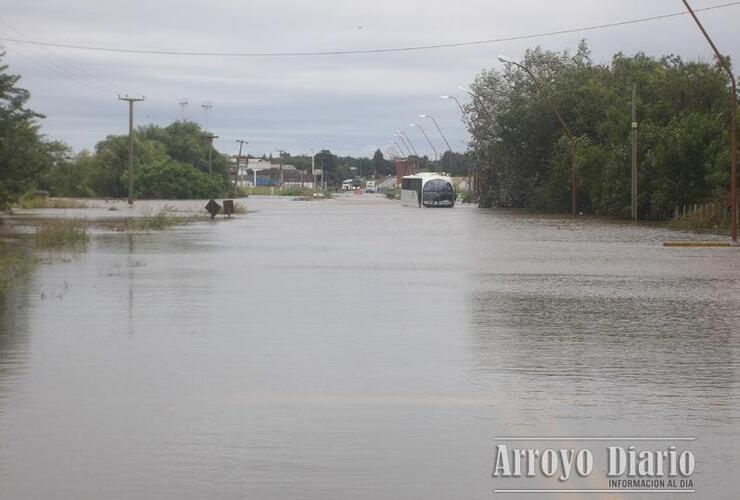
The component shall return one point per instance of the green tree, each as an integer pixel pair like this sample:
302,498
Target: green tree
24,155
169,179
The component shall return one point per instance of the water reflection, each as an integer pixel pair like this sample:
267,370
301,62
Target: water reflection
14,335
353,348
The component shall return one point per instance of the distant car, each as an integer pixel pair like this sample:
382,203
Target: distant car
347,185
370,187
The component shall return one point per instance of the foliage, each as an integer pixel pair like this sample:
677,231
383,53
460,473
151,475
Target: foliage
14,262
169,162
169,179
62,234
30,201
157,222
24,155
525,156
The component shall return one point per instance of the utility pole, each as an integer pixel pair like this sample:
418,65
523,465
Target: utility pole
323,173
313,169
238,159
183,104
206,108
210,151
634,152
131,101
733,125
280,166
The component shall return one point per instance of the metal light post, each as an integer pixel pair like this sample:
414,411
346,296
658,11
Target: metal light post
399,147
403,141
574,194
436,155
733,126
408,139
478,99
449,148
470,128
453,98
395,150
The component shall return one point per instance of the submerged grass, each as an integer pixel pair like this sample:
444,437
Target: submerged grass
294,191
13,263
45,202
161,221
62,235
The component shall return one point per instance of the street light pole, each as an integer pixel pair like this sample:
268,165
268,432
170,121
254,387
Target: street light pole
436,155
399,147
403,141
574,194
408,139
449,148
478,99
733,126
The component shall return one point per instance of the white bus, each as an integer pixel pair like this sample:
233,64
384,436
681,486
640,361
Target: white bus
427,189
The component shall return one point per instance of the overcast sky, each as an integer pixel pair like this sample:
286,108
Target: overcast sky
346,103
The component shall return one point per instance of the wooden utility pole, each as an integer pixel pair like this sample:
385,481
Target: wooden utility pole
722,61
634,152
131,101
238,160
210,151
280,163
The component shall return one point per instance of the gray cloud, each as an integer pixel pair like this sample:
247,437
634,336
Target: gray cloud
348,104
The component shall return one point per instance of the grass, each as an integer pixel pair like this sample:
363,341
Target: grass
160,221
393,194
709,218
13,263
239,208
45,202
286,191
67,235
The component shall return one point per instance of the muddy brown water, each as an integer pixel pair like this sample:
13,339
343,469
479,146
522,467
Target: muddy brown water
353,348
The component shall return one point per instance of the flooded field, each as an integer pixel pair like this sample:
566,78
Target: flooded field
353,348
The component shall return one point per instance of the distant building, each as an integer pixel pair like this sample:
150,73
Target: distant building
258,172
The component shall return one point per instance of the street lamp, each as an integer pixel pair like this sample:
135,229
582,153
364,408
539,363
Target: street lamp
436,155
404,144
398,146
733,126
403,141
449,148
453,98
390,151
408,139
574,194
478,99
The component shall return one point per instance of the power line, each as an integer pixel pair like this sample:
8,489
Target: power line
64,66
364,51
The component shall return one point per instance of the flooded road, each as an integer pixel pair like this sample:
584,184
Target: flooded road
353,348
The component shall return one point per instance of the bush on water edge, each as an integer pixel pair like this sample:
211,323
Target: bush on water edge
62,234
32,201
286,191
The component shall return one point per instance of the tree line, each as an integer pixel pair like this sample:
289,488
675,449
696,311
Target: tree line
524,155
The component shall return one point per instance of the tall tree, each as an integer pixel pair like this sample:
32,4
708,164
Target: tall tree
23,153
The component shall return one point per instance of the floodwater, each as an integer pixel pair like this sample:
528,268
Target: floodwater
354,348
